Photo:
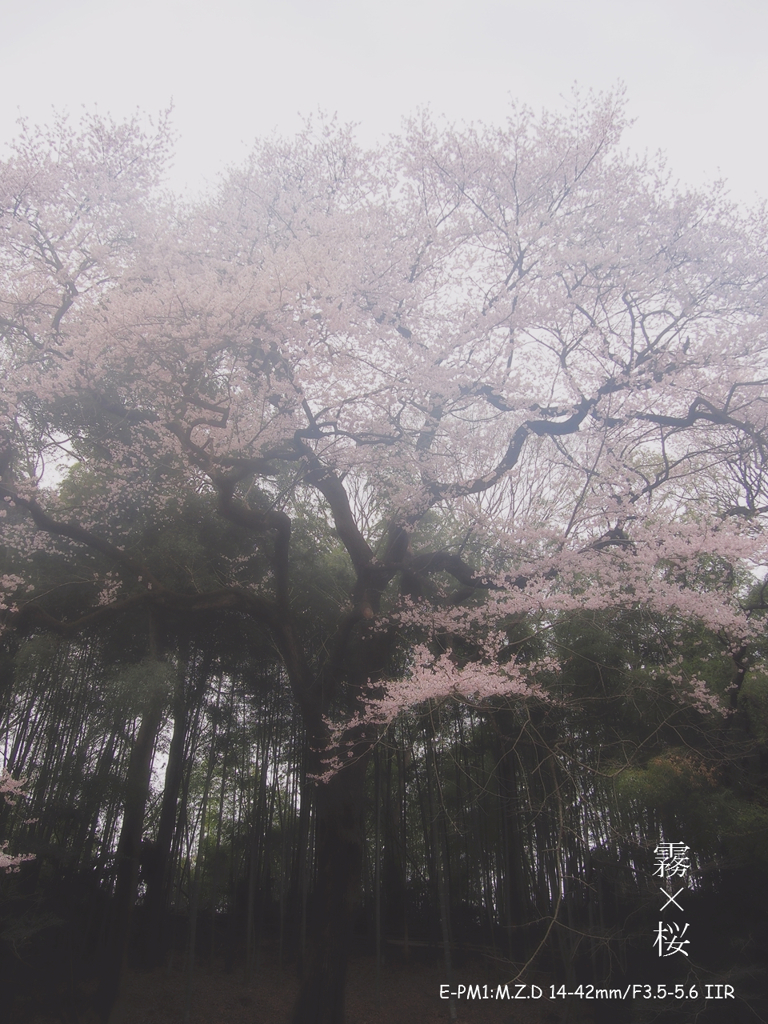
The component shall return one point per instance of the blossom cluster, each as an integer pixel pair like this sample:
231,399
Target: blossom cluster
11,789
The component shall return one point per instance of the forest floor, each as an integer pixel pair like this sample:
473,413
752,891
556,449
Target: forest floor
408,993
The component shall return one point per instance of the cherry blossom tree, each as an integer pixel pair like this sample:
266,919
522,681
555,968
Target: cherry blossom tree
10,790
505,367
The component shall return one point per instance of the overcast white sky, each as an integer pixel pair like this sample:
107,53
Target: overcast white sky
695,70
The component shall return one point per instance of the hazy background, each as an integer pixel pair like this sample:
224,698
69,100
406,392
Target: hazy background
695,70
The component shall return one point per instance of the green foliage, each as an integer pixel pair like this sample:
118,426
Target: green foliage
138,685
753,701
695,804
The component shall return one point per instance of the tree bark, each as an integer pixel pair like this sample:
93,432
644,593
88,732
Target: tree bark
339,825
128,854
158,878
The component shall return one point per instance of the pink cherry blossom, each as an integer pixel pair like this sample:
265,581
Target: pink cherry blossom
515,340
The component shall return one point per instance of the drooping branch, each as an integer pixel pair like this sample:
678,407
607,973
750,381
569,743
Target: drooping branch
74,531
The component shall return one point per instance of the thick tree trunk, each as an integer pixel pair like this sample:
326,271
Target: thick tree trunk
128,854
339,823
158,877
